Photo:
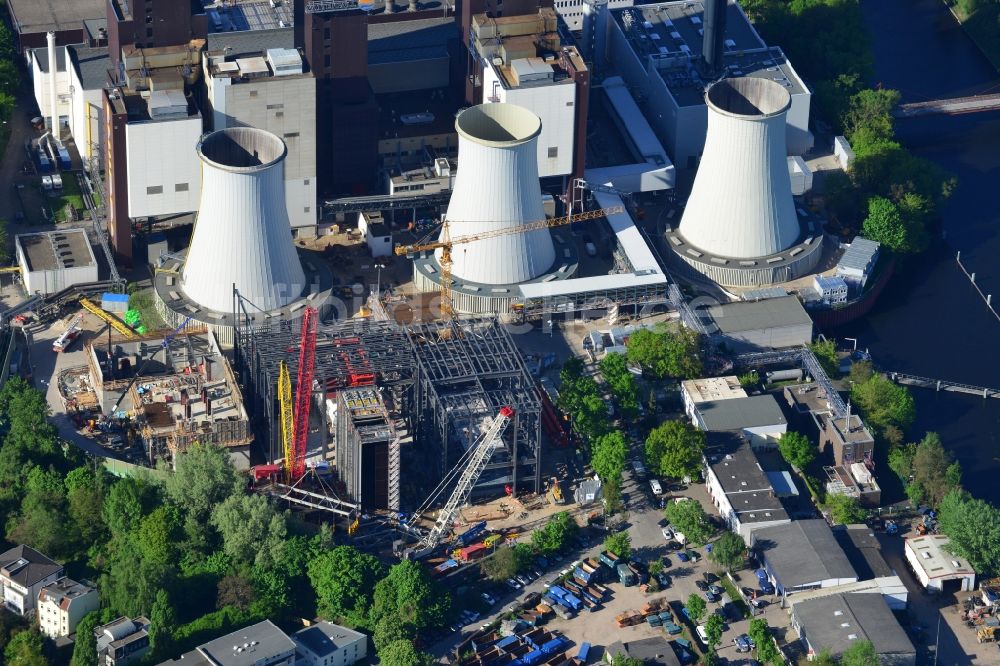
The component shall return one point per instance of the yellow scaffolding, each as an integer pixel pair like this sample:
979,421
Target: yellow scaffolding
10,269
113,321
287,424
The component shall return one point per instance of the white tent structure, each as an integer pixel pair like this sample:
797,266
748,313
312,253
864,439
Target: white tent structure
497,188
741,204
242,236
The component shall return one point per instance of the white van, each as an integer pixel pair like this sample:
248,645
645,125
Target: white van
656,487
702,634
680,538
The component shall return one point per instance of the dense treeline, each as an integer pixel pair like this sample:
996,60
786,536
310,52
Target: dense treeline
889,194
191,549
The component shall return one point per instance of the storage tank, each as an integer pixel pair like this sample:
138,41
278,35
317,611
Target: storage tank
242,235
497,188
741,204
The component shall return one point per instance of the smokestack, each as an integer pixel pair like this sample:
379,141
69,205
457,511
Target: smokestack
50,39
389,6
713,37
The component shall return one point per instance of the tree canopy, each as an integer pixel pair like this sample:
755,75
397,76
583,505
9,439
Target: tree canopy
826,353
26,648
714,626
845,509
344,580
674,449
934,472
609,453
973,527
204,477
402,653
85,645
666,353
252,531
409,594
555,535
767,652
860,653
580,398
696,607
729,551
507,562
884,403
689,518
796,449
622,383
619,543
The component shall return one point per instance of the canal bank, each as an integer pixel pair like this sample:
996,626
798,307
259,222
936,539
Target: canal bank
930,321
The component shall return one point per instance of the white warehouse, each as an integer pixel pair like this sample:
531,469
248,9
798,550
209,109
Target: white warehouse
50,261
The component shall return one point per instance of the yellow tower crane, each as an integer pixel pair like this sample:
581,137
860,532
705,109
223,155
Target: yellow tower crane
446,242
287,424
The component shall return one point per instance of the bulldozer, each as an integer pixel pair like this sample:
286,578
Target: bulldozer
987,634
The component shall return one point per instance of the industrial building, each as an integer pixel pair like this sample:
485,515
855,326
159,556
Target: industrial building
739,487
50,261
773,323
757,417
243,209
270,90
367,449
750,236
935,567
834,622
31,20
187,393
261,644
802,555
656,48
864,552
856,265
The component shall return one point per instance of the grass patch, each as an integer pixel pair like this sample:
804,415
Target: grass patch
70,196
735,595
143,302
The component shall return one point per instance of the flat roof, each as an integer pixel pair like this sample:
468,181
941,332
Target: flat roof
641,135
769,313
736,413
250,41
803,552
807,398
835,621
744,482
858,254
30,16
713,388
244,647
325,638
655,650
419,39
53,250
92,64
250,15
863,551
851,431
935,560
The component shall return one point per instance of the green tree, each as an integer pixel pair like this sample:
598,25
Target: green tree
388,630
861,371
42,520
623,386
666,353
85,645
162,625
619,543
749,380
824,658
123,507
885,224
501,565
729,551
973,528
236,591
935,473
796,449
714,626
901,462
622,659
845,509
204,477
26,648
409,593
760,633
344,580
609,453
691,520
674,449
825,351
555,535
402,653
252,531
85,491
696,607
884,403
860,653
871,110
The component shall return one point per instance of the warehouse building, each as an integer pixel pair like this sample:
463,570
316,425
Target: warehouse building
709,389
33,19
50,261
802,555
758,418
935,567
834,622
773,323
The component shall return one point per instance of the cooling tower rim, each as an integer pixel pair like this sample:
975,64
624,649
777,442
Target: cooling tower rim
521,124
270,147
756,90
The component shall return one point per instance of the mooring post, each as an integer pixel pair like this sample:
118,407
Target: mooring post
939,385
958,257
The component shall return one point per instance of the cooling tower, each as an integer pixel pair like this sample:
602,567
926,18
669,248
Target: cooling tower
242,235
497,188
741,203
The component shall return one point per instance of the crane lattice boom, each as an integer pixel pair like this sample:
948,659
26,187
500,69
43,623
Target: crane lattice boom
481,452
303,390
287,421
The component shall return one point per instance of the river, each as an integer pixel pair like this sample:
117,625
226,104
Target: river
930,321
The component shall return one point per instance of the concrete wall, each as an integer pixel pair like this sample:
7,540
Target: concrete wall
162,154
286,107
410,75
554,104
85,122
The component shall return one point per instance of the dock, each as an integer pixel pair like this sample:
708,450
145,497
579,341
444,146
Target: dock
943,385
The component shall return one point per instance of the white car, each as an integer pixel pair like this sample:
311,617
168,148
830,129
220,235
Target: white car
680,538
702,634
655,486
668,533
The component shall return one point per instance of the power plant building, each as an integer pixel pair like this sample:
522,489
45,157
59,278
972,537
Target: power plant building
657,48
270,90
367,449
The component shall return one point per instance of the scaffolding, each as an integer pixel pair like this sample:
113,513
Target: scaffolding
467,371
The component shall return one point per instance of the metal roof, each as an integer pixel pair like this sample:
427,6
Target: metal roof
935,560
33,16
251,41
859,254
258,643
834,622
641,134
325,638
770,313
763,293
737,413
803,552
744,482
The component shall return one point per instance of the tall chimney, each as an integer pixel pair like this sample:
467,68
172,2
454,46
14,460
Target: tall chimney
50,39
713,37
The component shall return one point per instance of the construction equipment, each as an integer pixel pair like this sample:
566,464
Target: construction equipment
468,471
987,634
10,269
303,391
287,421
69,336
555,493
113,321
445,243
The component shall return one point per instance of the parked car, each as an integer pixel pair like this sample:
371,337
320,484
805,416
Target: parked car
663,579
702,634
513,584
758,603
750,641
682,556
701,585
741,644
710,577
674,545
488,598
666,562
522,580
712,598
715,589
668,533
693,554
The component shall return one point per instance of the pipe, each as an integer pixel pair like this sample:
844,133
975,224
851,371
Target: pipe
50,39
714,36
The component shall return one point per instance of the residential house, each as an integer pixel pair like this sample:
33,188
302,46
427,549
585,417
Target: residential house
23,572
122,641
328,644
62,604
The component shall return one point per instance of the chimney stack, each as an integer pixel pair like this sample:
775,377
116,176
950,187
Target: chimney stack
713,37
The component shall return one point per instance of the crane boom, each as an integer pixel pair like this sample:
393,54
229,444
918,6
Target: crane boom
303,390
481,452
287,422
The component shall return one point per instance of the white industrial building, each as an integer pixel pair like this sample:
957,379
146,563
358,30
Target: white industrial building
50,261
656,48
934,566
163,165
802,555
858,261
832,289
697,391
375,233
270,90
757,417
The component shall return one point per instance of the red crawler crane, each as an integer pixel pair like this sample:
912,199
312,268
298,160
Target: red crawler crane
303,390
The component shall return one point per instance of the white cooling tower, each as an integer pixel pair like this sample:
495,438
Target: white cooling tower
496,188
741,203
242,235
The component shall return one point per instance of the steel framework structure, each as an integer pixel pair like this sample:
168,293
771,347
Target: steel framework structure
809,363
467,370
